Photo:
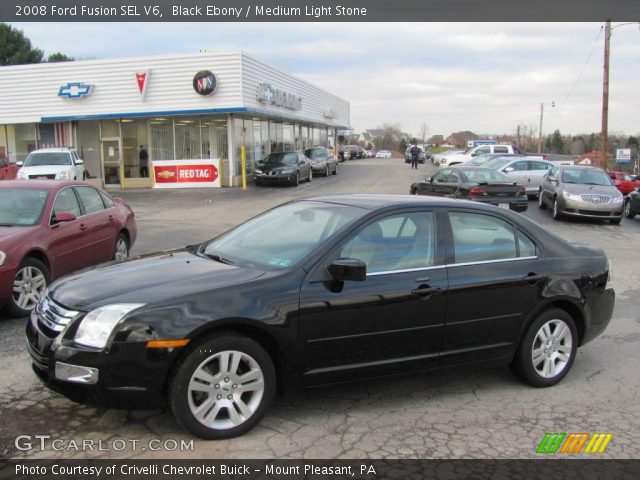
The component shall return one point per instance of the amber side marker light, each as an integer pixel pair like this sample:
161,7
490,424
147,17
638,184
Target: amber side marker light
167,343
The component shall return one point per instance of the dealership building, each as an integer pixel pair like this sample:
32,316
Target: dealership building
193,120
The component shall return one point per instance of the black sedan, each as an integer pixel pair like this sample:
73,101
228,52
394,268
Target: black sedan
283,167
474,183
632,204
323,162
320,290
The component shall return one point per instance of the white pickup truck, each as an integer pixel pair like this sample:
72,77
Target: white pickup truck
468,155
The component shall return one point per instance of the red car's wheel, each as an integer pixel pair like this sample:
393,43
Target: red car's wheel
29,283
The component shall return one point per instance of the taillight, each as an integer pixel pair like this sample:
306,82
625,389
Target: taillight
477,192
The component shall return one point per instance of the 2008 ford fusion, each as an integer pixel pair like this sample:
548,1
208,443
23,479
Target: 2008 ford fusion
316,291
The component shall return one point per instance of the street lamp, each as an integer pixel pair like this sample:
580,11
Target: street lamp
553,104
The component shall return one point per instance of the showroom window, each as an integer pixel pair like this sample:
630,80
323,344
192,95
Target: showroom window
135,148
188,142
25,138
161,139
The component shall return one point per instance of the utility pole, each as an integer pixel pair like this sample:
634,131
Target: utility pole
605,98
540,131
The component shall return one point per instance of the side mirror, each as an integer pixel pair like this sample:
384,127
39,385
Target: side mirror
508,169
79,162
64,217
19,164
348,269
428,179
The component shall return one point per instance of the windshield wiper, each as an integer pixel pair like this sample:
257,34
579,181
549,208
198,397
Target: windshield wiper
218,258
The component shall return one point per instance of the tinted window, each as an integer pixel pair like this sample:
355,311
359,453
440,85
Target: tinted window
540,166
66,201
282,158
107,200
21,206
520,166
482,150
91,199
478,238
442,176
527,247
397,242
500,149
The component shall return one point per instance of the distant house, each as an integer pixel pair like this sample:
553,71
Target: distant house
460,139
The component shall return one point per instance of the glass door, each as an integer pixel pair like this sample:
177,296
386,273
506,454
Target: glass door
111,161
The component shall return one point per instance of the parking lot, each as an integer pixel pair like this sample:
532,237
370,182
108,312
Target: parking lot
459,413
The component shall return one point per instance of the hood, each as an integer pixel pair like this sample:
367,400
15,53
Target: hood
580,189
155,278
45,169
11,237
268,167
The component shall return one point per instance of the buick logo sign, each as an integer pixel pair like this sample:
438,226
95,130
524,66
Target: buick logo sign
205,82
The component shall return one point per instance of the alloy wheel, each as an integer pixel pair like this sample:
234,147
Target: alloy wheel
28,286
226,389
122,250
552,347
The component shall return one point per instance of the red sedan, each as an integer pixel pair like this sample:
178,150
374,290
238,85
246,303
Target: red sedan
51,228
623,181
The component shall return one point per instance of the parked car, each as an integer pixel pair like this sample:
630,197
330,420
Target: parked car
469,155
632,203
320,290
527,171
51,228
383,154
581,191
362,153
323,162
407,155
283,167
624,181
350,152
474,183
438,157
52,164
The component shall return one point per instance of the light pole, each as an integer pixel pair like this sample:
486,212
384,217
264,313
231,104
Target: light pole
553,104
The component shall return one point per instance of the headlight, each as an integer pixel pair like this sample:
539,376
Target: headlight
3,257
64,175
22,175
571,196
258,171
96,327
287,170
619,199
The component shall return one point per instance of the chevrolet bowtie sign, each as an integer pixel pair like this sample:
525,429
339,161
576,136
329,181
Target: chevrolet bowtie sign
274,96
75,90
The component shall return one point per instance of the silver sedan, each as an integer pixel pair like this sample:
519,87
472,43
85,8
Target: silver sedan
527,171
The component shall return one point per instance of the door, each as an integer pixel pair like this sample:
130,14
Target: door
536,173
99,225
393,320
66,240
112,161
517,171
495,280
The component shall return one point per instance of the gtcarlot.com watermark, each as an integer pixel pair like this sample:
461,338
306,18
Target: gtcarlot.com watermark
27,443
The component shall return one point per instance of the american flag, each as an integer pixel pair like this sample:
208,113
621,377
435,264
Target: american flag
54,134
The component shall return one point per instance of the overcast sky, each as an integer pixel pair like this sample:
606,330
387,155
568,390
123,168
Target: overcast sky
487,78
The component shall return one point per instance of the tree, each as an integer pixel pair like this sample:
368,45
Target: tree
633,142
59,57
15,48
557,143
424,131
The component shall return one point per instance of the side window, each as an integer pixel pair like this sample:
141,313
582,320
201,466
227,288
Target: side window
478,238
552,173
397,242
108,202
500,149
527,247
91,199
66,201
483,150
453,178
520,166
442,176
540,166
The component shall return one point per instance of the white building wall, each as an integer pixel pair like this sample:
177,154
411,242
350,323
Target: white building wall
30,92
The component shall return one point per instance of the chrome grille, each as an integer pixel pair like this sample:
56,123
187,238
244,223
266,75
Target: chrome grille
595,199
52,315
48,177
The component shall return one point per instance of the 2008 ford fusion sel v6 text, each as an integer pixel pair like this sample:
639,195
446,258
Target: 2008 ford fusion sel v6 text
315,291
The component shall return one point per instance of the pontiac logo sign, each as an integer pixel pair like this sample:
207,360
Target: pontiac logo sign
75,90
142,81
274,96
205,82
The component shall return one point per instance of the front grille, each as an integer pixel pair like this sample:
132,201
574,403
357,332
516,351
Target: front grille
48,177
596,199
53,317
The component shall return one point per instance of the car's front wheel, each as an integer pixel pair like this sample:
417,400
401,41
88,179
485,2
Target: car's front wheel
628,212
29,283
557,214
335,169
223,387
548,349
541,204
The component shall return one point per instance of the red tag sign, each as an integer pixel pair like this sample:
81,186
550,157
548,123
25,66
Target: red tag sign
185,173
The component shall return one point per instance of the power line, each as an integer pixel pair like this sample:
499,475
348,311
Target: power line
585,65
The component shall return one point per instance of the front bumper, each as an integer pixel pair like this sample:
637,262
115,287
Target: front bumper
126,375
274,179
581,208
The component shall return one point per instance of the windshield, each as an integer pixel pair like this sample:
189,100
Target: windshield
497,163
47,158
21,207
281,158
485,175
282,237
316,153
586,177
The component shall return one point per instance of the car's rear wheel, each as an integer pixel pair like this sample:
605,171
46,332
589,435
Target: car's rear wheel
223,387
548,349
121,249
628,212
29,283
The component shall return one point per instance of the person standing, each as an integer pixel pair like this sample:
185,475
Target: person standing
144,162
415,156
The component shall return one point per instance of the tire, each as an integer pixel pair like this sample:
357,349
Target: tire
121,248
335,169
30,282
310,177
84,175
413,191
615,221
296,180
326,173
556,214
553,360
531,197
258,183
248,399
541,204
627,209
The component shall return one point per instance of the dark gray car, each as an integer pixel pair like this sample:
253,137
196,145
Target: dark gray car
581,191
